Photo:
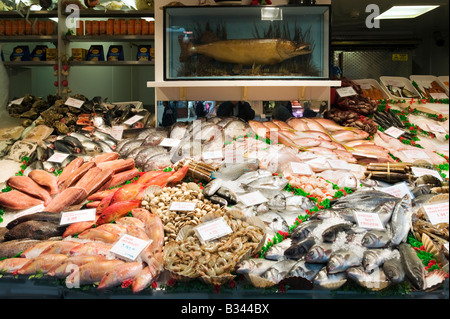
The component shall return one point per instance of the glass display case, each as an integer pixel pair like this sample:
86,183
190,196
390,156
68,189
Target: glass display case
247,42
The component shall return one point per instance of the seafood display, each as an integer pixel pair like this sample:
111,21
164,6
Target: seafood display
308,203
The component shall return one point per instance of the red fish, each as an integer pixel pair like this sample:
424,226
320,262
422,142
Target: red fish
117,210
178,175
98,181
93,204
77,228
101,194
92,272
41,264
45,179
118,165
10,265
159,180
66,267
127,192
91,248
17,200
120,273
104,203
99,235
61,247
144,178
120,178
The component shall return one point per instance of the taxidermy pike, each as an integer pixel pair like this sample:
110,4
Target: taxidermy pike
246,51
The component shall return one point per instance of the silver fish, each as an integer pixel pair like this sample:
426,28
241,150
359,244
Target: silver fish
393,268
326,280
374,258
91,146
129,146
268,186
305,270
155,138
250,177
79,136
106,148
414,269
298,250
147,152
254,266
363,200
232,171
296,203
376,239
330,234
276,252
274,221
319,253
401,221
157,162
341,260
279,270
376,280
303,230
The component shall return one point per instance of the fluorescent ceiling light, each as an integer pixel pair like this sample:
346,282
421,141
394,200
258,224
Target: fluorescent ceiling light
405,12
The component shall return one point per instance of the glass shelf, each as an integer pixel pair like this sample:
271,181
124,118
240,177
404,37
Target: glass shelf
108,38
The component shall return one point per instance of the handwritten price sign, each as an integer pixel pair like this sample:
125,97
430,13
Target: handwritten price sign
369,220
213,229
437,213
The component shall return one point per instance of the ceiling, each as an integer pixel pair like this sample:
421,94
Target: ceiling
349,20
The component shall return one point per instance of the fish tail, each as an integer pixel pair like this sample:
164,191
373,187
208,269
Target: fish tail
186,48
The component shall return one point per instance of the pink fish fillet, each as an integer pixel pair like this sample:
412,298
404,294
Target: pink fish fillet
18,200
66,267
66,198
106,157
77,175
120,273
45,179
10,265
69,169
92,272
29,186
41,264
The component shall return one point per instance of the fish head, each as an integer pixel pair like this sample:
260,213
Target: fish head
273,275
244,267
335,264
316,253
289,49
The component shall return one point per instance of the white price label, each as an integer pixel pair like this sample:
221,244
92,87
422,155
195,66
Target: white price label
117,132
129,247
301,168
446,246
170,142
84,215
436,128
368,220
74,102
234,155
365,86
419,171
417,154
212,155
394,132
398,190
29,211
213,229
253,198
339,164
346,91
437,213
133,119
58,157
16,102
439,96
182,206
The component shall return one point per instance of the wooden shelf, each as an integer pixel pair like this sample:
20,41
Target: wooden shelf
29,38
108,38
19,64
99,13
112,63
33,14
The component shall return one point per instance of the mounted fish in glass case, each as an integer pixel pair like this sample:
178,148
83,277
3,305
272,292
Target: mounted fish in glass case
246,42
